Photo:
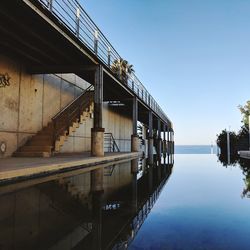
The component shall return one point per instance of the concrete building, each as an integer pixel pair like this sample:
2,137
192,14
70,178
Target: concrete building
59,92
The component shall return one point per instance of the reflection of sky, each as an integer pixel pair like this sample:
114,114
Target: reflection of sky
199,208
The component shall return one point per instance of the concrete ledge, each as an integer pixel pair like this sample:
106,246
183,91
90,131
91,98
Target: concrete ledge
244,154
17,169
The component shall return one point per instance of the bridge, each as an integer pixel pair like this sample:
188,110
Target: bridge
59,37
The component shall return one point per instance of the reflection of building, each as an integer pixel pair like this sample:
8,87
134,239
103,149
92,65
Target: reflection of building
93,210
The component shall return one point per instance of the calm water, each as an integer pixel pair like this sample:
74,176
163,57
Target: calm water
196,204
201,207
195,149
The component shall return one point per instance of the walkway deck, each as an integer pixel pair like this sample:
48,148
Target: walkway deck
16,169
245,154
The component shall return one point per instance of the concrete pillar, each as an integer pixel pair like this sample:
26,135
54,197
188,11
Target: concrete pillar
159,141
134,136
97,180
97,192
97,202
97,132
150,138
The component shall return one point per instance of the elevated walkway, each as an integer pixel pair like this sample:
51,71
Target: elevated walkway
245,154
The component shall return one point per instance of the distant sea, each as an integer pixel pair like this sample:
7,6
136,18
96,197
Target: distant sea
195,149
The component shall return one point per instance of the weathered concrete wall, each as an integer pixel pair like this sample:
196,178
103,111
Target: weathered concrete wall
119,125
30,102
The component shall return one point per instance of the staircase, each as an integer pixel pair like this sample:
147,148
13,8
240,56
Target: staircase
50,139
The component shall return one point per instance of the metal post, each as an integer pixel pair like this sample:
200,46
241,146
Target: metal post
109,56
96,42
78,22
50,2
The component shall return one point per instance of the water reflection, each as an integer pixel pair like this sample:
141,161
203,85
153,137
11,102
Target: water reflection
99,209
243,164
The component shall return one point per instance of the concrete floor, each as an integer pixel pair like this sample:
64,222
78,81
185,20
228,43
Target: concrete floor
14,168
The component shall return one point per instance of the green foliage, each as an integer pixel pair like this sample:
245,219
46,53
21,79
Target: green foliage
222,141
245,111
122,69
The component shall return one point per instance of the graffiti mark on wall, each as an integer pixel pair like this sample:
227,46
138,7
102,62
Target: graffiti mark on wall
4,80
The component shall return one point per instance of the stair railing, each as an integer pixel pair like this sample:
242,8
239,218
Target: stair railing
110,144
71,113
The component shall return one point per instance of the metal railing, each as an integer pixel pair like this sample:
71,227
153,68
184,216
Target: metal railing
110,144
71,14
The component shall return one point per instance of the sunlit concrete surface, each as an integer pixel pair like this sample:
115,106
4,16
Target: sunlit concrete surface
21,168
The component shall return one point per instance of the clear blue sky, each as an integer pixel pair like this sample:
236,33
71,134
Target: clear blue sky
192,55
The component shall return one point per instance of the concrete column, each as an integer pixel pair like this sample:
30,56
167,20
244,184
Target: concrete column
134,136
159,141
97,202
150,138
97,180
97,132
97,192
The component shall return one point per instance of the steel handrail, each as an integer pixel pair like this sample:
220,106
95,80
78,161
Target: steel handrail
71,113
79,23
112,145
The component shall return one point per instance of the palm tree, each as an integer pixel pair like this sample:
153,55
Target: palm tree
122,69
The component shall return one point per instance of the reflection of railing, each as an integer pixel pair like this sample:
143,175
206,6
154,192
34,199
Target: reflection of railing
108,171
71,14
142,214
110,144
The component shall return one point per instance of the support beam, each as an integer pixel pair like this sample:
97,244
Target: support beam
150,137
134,136
56,69
97,132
